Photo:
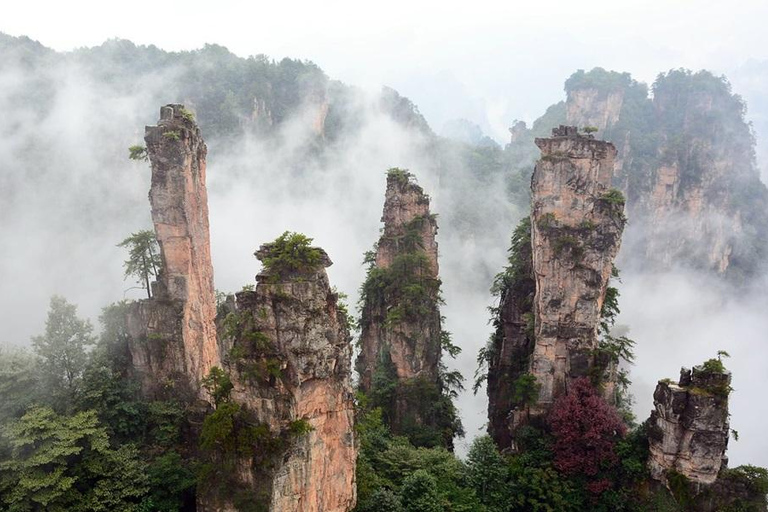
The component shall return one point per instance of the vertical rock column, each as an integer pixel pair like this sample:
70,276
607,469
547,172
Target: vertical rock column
400,341
413,345
290,360
688,429
174,332
576,227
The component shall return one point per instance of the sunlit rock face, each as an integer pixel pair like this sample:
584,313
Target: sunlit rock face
576,227
413,346
289,355
689,426
173,334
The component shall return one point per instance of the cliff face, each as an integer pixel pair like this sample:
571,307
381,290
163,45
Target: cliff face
289,352
174,332
686,163
512,342
594,107
401,336
689,425
576,226
411,344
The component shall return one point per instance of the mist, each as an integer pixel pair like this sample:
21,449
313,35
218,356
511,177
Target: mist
70,194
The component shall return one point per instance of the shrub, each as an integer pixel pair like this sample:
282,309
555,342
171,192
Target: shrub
138,152
289,253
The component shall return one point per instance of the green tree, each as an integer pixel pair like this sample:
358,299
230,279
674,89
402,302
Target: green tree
218,384
487,474
419,493
62,350
64,463
143,261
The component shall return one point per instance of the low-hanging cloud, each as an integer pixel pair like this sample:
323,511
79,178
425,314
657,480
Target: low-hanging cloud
69,194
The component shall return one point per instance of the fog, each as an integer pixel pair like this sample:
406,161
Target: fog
70,195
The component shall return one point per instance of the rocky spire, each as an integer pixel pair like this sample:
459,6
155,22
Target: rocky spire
688,429
576,226
174,333
552,293
401,336
289,357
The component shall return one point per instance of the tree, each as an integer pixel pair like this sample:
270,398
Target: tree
585,428
62,349
64,463
218,384
138,152
143,260
487,474
420,494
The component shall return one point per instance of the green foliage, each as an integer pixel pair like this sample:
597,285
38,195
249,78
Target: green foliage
172,482
138,152
487,474
60,463
144,260
753,477
681,488
187,115
589,129
300,427
419,493
290,253
402,176
568,244
19,382
525,390
218,385
713,366
62,351
174,135
598,78
613,197
229,430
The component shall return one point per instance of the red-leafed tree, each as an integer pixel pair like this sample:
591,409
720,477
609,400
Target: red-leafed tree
585,428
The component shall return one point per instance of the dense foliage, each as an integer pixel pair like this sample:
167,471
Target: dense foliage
290,253
75,433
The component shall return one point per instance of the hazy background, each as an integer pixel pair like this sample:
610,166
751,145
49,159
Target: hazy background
489,62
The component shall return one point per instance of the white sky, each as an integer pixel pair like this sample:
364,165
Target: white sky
489,61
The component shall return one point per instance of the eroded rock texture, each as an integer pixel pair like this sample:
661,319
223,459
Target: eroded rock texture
689,426
173,334
576,226
289,356
413,344
401,335
512,342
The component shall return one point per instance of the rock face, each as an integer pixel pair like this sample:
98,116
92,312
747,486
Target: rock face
174,333
412,346
401,337
576,226
289,356
689,425
512,342
686,163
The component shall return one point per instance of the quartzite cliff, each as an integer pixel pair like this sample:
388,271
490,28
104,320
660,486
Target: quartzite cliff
547,322
401,336
278,432
289,352
173,334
